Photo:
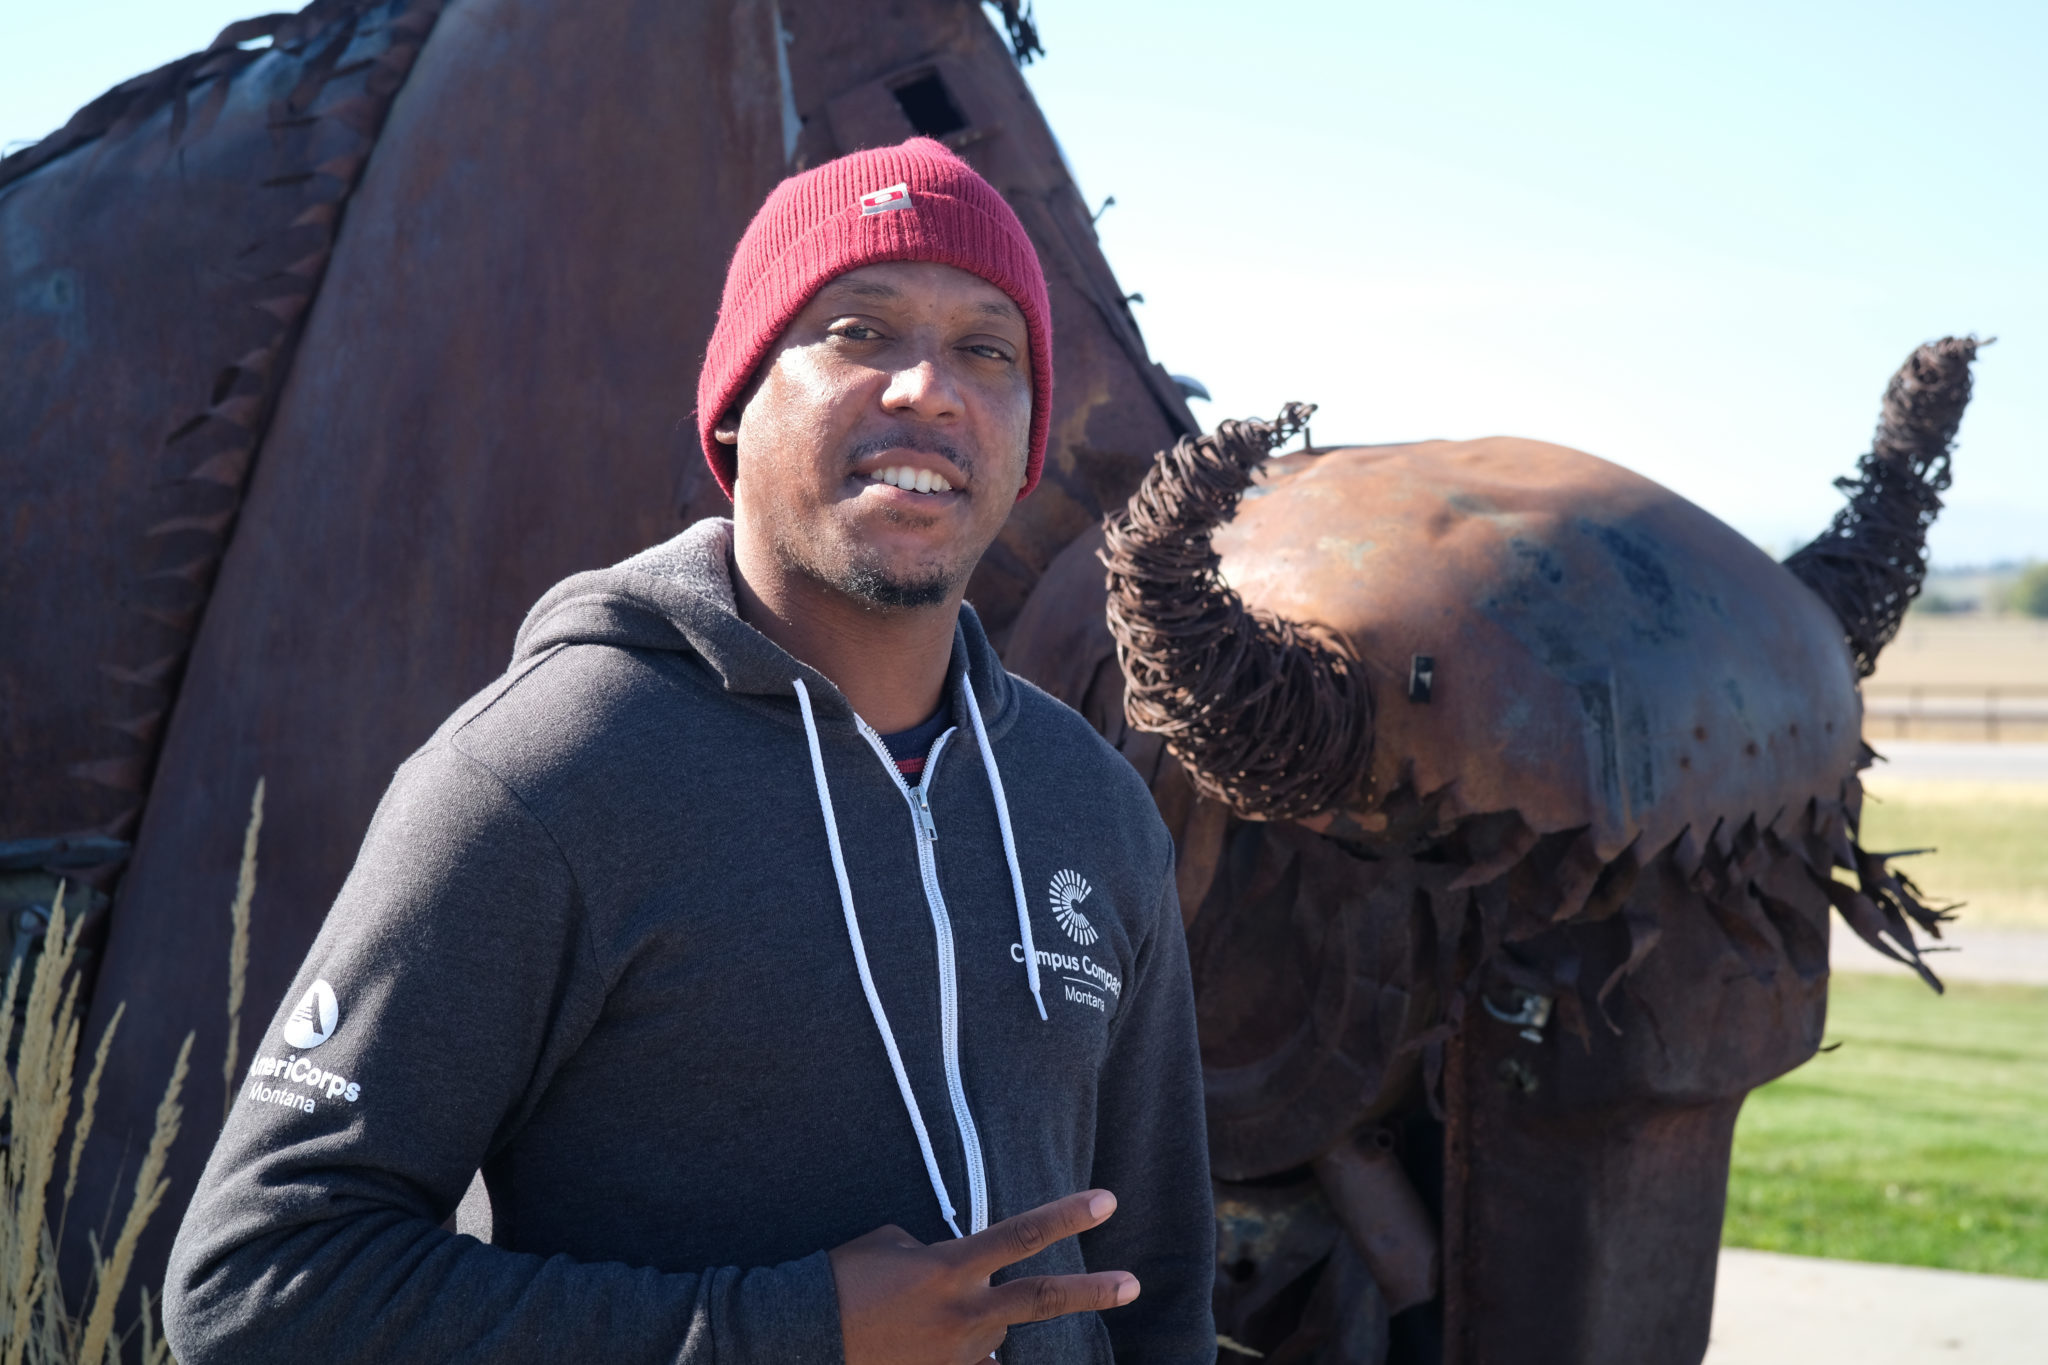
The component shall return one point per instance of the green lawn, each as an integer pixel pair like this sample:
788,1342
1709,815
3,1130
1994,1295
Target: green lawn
1923,1140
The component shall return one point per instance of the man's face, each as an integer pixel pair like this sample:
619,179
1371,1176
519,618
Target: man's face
901,374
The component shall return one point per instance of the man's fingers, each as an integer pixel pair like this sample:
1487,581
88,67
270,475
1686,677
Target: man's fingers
1038,1297
1031,1232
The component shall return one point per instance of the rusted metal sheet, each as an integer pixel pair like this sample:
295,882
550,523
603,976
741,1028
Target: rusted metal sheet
1586,1178
1290,1286
1385,1217
160,252
1606,655
1306,989
486,396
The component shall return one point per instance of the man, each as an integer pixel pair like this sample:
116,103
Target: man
805,987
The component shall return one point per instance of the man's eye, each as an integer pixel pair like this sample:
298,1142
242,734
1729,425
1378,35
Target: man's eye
857,331
990,352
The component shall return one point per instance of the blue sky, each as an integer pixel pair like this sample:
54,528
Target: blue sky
1694,239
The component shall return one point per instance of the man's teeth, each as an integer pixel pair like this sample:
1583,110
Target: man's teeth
915,480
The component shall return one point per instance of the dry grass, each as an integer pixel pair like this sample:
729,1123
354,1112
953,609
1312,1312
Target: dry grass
1981,678
238,950
36,1327
1965,651
1989,842
36,1094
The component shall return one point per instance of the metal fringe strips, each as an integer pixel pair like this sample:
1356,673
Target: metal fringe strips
129,103
1868,566
1271,717
349,59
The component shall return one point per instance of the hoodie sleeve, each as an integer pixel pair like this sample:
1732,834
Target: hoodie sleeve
1152,1152
453,975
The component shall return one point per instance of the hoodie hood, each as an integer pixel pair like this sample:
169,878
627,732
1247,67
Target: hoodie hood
678,597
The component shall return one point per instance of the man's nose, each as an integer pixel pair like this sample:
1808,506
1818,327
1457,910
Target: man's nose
923,389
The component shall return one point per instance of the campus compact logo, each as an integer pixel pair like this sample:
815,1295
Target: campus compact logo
314,1021
1069,889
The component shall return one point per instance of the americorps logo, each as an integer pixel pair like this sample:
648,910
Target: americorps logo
294,1082
1069,889
315,1019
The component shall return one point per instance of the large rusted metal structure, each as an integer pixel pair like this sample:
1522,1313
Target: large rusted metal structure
336,343
1510,790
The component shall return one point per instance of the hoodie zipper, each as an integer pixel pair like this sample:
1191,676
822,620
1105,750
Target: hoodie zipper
927,834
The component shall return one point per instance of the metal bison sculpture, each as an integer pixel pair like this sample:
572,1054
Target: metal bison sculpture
1511,790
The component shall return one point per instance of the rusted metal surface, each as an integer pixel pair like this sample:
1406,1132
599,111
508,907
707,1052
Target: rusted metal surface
1306,990
1608,656
1577,905
452,368
161,251
1586,1178
1378,1205
1290,1285
482,400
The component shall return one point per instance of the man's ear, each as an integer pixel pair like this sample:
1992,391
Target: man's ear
727,432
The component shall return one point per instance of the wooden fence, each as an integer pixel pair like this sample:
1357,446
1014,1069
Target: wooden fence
1956,711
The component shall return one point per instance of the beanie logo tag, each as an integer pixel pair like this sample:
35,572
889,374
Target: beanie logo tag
885,200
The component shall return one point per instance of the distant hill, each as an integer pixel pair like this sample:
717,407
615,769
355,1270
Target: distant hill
2005,589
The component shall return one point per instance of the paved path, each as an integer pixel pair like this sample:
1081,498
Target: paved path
1919,759
1798,1310
2016,955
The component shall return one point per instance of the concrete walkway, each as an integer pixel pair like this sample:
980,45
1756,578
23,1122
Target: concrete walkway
1913,760
1798,1310
1964,953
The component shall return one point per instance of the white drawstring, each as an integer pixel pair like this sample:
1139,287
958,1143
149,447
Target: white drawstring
860,953
995,782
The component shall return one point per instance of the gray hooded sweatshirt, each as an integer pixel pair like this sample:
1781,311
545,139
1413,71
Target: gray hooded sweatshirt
653,933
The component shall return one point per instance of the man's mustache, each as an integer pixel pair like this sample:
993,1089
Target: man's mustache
910,438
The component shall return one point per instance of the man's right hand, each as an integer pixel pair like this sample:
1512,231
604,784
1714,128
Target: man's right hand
904,1303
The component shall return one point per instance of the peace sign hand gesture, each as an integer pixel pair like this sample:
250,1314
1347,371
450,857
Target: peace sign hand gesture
904,1303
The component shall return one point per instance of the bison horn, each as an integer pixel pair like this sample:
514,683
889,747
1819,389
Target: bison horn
1868,566
1268,716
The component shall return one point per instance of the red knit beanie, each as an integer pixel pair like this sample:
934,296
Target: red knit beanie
916,202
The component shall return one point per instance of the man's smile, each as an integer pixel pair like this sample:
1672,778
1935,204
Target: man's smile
907,477
912,480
